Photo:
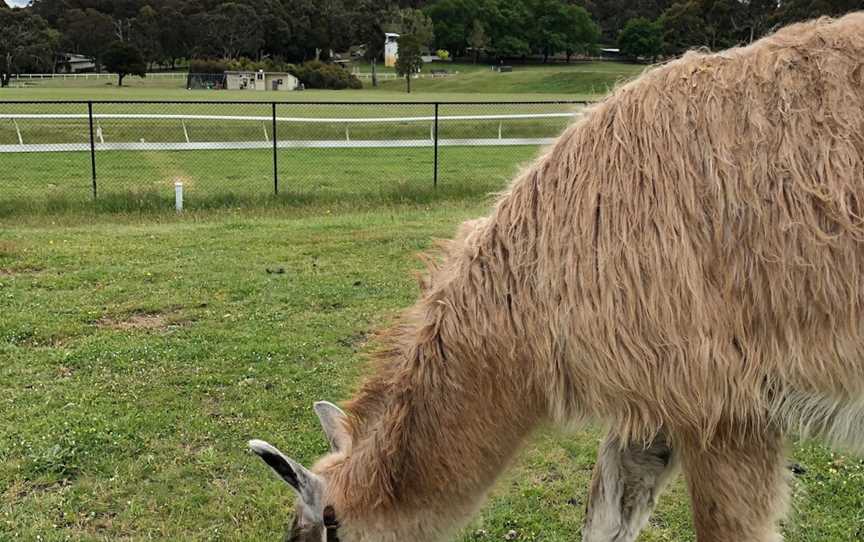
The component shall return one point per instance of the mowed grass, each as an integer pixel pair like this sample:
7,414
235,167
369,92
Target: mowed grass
61,183
576,81
139,354
580,80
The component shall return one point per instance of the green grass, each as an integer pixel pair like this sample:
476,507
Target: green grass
584,80
577,81
54,183
140,353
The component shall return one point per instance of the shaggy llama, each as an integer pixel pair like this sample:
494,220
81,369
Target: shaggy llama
685,265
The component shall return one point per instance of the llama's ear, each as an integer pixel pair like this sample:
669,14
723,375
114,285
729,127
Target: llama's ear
305,482
333,422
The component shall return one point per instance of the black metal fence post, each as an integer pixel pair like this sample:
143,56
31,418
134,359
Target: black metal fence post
92,147
275,165
435,137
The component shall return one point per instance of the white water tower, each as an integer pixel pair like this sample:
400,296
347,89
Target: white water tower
391,48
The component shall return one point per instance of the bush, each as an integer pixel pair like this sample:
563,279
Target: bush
244,64
641,38
315,74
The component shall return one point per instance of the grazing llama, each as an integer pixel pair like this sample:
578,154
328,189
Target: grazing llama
685,265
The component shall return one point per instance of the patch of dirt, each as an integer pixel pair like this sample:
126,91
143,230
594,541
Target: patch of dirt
19,490
356,341
9,271
158,321
7,248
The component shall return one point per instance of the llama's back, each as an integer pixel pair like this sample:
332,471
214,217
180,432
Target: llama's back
700,241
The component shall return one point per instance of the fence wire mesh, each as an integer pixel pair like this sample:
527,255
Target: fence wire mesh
58,153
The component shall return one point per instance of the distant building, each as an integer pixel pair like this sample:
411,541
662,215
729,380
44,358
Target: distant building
391,48
75,63
260,80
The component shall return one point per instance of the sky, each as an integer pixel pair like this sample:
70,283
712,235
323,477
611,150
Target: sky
19,3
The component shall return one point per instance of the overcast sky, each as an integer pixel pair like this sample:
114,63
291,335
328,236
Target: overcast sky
20,3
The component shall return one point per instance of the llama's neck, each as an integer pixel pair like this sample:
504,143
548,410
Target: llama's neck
447,410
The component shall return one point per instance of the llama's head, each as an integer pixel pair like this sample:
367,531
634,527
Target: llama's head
315,518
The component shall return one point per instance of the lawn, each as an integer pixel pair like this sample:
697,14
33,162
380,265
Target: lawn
54,183
141,352
576,81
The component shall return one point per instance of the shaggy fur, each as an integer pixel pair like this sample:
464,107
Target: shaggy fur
688,257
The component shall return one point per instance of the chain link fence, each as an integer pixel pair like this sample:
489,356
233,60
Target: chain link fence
59,154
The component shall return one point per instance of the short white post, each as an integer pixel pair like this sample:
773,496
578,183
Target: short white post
178,196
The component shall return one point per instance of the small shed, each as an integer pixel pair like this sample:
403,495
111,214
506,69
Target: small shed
260,80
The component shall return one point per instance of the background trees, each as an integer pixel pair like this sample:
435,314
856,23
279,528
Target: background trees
124,59
86,31
165,31
26,43
409,61
641,38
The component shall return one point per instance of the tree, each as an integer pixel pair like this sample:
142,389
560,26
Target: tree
580,31
50,10
478,40
124,59
641,38
715,24
409,60
547,28
87,31
369,17
414,22
26,41
329,27
145,35
612,15
683,27
799,10
453,21
231,30
174,35
507,22
758,17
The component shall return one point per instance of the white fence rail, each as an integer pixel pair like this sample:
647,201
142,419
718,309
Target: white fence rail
85,76
391,75
24,147
184,75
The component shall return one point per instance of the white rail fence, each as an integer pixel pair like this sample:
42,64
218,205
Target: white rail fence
184,75
102,145
87,76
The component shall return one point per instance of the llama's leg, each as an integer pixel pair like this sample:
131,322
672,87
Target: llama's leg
739,488
627,482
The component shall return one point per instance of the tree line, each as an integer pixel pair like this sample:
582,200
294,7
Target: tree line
165,31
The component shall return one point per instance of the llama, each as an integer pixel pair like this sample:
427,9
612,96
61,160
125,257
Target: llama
684,265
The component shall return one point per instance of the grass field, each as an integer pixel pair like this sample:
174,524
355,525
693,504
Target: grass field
140,353
144,181
578,81
140,350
